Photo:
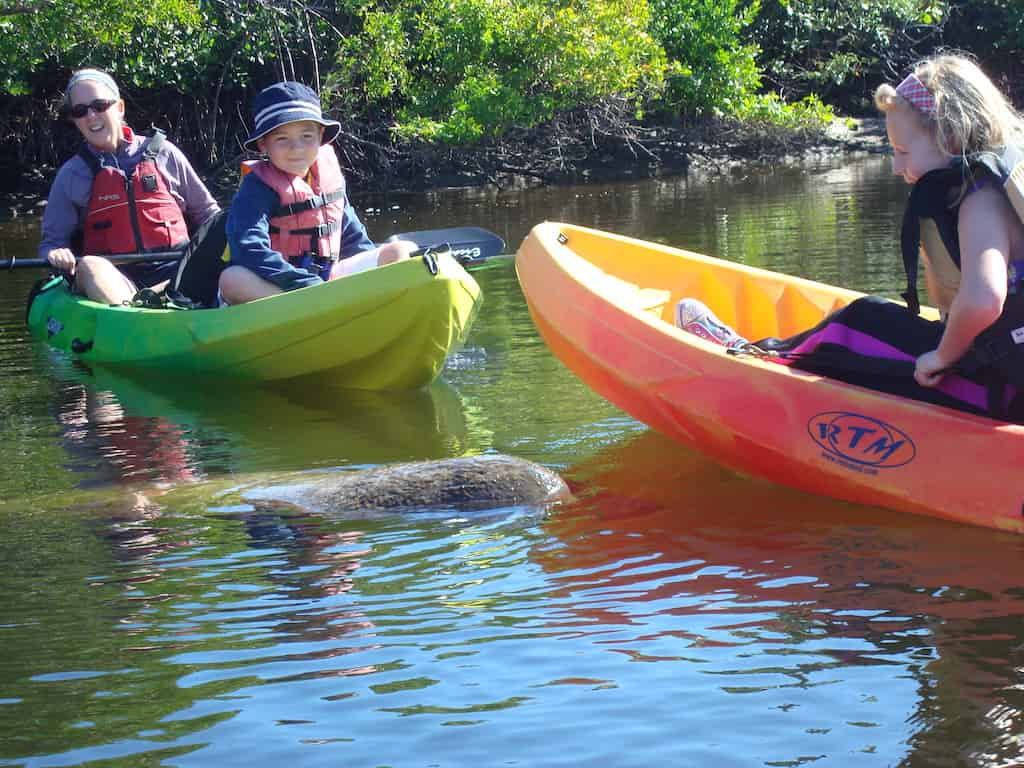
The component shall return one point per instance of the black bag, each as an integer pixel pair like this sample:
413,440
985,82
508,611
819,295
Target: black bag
200,267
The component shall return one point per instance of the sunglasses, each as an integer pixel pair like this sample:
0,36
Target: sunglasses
96,105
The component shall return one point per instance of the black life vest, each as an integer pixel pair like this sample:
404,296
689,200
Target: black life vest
996,357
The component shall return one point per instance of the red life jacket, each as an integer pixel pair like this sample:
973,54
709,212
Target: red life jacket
309,222
131,214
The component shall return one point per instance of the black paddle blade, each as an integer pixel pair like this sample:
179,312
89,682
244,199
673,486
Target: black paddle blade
470,245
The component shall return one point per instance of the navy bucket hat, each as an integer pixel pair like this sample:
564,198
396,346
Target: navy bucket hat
287,102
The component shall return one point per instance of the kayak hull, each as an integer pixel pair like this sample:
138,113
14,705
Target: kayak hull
384,329
604,305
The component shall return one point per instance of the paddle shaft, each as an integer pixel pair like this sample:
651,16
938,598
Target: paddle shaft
122,258
470,245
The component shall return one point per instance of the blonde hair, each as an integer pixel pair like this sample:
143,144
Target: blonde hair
971,114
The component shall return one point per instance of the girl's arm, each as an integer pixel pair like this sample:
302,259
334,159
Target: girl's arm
985,224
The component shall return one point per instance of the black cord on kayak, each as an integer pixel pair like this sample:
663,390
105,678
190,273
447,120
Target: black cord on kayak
430,262
429,254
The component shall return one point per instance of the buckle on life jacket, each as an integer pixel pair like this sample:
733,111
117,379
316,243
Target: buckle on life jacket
316,264
322,262
320,230
313,203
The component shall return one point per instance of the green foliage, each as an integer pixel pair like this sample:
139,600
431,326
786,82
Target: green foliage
714,66
385,70
465,69
807,114
459,71
157,44
992,28
121,35
840,50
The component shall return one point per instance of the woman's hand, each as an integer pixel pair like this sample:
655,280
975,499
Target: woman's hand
930,369
62,260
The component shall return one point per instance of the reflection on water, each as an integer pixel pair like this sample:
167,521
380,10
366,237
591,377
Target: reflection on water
676,613
122,422
827,220
807,592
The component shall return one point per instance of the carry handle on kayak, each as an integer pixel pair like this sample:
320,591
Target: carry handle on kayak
469,246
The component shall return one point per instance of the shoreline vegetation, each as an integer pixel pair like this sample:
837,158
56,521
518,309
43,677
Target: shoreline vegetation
549,155
508,93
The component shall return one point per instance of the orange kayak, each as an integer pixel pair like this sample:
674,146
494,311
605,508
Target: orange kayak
604,304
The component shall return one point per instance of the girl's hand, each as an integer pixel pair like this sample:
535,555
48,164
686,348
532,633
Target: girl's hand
930,369
62,260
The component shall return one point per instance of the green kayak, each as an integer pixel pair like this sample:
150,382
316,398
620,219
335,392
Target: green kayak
384,329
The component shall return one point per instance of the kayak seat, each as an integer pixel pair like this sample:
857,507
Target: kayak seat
653,300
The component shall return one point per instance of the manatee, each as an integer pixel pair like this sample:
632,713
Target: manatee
460,484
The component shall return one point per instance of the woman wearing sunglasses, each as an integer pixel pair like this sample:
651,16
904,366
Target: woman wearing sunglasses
120,193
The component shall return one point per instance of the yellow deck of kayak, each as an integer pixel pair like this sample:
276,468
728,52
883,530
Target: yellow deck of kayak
604,304
387,328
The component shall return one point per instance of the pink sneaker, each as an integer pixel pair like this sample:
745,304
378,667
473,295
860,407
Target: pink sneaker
694,317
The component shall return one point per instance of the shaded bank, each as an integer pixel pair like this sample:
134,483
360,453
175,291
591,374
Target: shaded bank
598,145
585,145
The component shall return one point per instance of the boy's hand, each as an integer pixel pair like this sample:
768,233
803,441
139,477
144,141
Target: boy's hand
396,250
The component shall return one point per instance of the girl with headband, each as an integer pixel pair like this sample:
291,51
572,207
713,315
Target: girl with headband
960,144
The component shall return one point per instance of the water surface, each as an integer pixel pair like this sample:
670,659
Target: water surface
674,614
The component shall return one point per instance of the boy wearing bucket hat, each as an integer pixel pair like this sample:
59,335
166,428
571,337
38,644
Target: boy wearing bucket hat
290,225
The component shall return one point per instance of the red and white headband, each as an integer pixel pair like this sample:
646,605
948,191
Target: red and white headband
914,91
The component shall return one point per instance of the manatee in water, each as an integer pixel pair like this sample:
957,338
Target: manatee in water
464,484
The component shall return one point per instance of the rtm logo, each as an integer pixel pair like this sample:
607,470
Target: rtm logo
467,254
861,439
